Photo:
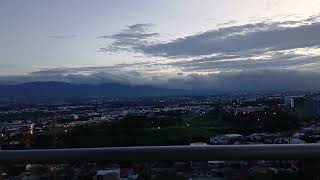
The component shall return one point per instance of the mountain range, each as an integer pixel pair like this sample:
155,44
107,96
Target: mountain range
61,90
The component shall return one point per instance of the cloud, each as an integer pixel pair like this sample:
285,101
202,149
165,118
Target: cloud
87,75
251,57
245,39
70,36
267,45
271,60
227,23
130,39
121,73
232,81
250,38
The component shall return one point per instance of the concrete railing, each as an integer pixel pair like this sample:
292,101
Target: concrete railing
164,153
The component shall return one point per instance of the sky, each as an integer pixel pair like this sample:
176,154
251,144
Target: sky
189,44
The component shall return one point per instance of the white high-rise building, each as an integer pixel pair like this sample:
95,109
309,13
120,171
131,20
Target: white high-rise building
289,102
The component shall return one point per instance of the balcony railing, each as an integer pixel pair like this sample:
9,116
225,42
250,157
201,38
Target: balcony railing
164,153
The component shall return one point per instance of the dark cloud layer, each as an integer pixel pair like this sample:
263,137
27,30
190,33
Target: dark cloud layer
244,39
246,80
251,38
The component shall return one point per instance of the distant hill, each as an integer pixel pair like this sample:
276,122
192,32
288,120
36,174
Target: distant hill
60,90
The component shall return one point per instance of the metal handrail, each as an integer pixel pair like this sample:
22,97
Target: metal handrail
164,153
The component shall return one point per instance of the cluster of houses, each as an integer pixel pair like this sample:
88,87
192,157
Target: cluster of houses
16,128
255,138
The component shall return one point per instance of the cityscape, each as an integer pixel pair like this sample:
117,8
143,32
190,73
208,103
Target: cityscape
239,119
159,90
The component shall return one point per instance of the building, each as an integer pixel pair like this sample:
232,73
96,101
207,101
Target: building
226,139
107,174
289,102
246,109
